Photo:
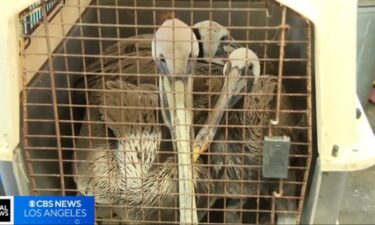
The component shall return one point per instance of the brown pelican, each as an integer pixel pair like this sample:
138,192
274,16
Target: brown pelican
120,165
240,61
176,64
233,153
180,108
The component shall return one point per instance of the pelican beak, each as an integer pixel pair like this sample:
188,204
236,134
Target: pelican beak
227,47
199,148
233,85
177,101
233,45
224,50
184,117
178,97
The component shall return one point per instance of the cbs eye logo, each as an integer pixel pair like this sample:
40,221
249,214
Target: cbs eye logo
5,210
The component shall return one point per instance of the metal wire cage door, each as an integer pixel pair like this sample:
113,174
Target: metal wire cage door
93,120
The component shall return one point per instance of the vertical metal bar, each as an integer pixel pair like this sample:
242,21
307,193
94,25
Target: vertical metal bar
259,175
139,75
25,129
136,46
281,64
66,65
265,48
83,50
173,136
247,90
273,209
120,78
54,99
103,82
210,63
155,22
309,117
226,181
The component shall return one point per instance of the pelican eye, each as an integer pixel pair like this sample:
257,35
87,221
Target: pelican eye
250,67
224,38
191,57
162,58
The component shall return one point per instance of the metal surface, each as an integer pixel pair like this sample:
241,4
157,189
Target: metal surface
2,191
52,114
7,179
325,197
276,157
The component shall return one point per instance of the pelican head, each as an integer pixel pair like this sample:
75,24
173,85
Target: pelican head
175,50
241,62
214,41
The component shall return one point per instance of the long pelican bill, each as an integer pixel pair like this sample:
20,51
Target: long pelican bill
233,85
184,118
178,99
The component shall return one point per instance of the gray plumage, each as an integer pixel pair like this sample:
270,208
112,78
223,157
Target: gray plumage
127,171
237,161
254,111
208,77
136,65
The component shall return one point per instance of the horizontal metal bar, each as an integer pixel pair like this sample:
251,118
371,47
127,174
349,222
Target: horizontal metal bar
141,75
145,40
154,8
77,149
158,108
75,55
